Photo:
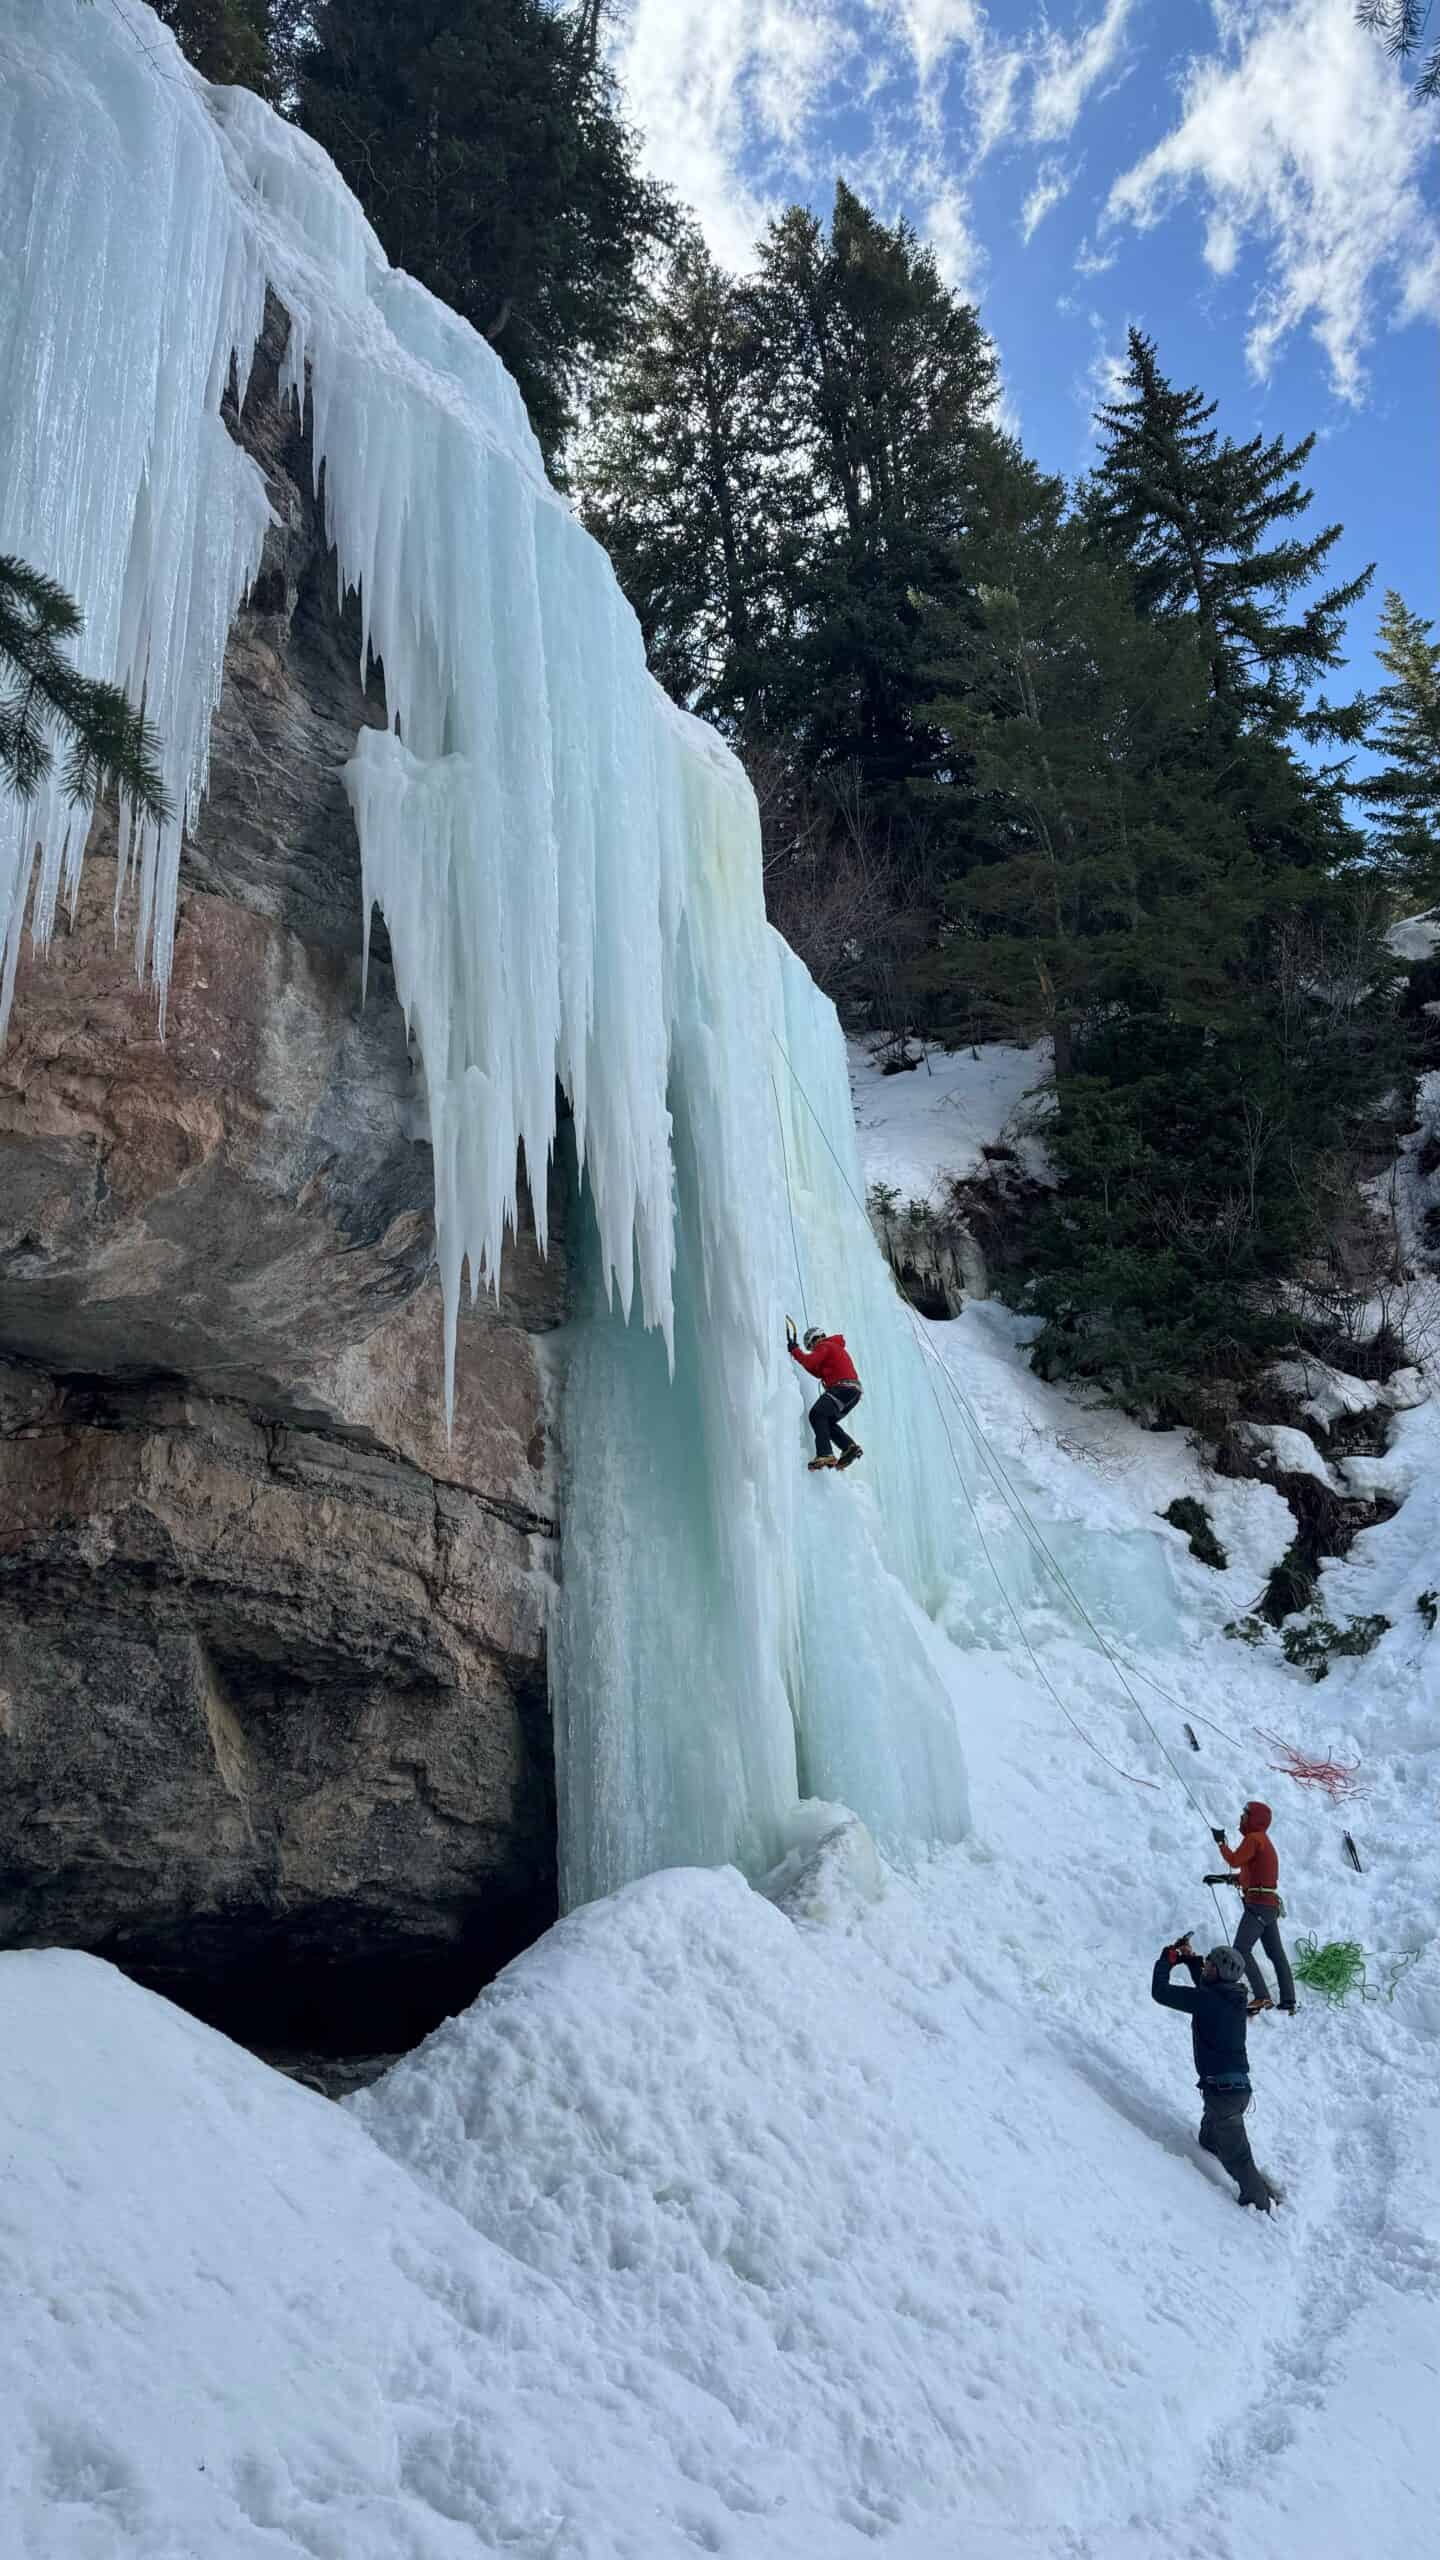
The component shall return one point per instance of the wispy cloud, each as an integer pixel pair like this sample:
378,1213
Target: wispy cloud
934,29
1052,184
934,33
1103,379
902,173
945,222
1067,68
1299,138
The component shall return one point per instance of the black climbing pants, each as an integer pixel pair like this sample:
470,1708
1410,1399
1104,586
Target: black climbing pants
1257,1922
1223,2135
825,1414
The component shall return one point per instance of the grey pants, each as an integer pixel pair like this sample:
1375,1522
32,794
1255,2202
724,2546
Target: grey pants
1223,2135
1257,1922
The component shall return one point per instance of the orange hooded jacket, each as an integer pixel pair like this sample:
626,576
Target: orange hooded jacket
1259,1868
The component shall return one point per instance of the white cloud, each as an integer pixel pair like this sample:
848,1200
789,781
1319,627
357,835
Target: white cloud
902,174
945,223
1103,379
1053,182
716,87
1299,137
932,33
1061,70
991,85
1067,68
933,28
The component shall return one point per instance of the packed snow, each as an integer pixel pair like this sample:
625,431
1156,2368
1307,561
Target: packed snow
783,2232
935,1120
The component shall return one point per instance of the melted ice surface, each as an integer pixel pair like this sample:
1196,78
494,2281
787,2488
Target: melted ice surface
569,871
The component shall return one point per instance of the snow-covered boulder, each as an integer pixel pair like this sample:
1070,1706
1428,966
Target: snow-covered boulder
1326,1394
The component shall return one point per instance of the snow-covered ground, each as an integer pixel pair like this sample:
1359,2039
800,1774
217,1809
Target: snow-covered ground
936,1119
865,2221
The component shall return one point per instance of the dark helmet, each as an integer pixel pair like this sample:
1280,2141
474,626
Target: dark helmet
1225,1964
813,1335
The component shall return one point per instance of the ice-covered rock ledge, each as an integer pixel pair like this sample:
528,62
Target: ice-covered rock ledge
570,878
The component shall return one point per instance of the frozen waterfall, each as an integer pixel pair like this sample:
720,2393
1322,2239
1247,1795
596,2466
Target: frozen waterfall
569,871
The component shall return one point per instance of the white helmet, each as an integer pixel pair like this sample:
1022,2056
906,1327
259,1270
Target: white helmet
813,1335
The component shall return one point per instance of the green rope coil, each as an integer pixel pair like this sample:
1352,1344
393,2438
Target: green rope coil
1338,1969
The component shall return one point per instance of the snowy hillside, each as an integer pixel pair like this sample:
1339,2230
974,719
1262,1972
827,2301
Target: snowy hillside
711,2229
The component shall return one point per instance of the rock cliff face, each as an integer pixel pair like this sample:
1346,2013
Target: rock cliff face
273,1727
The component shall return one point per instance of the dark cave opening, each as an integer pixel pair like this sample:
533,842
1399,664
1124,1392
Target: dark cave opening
326,2001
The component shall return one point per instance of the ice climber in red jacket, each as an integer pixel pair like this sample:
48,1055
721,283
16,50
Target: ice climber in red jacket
827,1359
1257,1872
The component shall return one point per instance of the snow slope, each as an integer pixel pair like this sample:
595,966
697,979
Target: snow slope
713,2228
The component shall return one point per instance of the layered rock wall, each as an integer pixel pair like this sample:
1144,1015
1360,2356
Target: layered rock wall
272,1650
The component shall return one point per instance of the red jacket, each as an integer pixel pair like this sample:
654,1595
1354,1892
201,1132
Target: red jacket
830,1362
1255,1858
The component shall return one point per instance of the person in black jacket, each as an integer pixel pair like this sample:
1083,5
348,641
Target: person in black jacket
1216,2010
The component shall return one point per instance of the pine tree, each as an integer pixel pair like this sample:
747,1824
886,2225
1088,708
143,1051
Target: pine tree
239,42
882,378
780,469
692,494
1195,518
1169,891
1097,840
1402,25
44,698
485,142
1404,796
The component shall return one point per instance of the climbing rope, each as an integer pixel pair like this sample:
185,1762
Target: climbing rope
1340,1969
789,1200
1023,1631
1018,1510
1340,1779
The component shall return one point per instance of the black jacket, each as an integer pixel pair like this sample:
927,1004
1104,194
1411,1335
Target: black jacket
1216,2011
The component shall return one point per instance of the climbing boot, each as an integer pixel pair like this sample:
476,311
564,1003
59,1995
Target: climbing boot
1264,2002
850,1457
817,1463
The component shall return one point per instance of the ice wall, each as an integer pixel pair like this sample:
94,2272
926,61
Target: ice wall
569,872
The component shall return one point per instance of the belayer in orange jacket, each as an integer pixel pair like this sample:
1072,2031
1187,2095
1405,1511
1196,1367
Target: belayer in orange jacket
1257,1872
827,1359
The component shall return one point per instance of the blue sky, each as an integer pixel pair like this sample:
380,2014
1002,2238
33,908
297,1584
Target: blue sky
1245,179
